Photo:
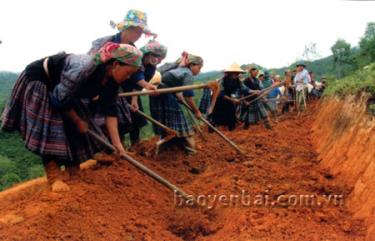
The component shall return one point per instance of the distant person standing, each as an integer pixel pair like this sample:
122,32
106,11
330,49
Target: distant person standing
267,82
254,112
289,91
301,81
274,95
261,79
310,85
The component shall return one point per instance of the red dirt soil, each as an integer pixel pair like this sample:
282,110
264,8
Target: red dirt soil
121,203
344,138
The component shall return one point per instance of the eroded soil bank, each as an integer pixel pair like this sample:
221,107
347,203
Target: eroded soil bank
344,137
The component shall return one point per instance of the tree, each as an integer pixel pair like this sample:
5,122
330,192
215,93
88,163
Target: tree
310,53
343,58
367,45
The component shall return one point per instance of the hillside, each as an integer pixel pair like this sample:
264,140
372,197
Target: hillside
7,80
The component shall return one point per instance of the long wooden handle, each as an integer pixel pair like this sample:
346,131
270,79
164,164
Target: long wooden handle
196,125
217,131
214,86
266,90
141,167
167,90
166,128
264,93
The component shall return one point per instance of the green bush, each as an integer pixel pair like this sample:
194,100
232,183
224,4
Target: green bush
360,80
16,162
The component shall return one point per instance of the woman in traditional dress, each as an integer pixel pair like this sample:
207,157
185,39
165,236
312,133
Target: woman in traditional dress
46,107
231,88
255,111
166,108
153,54
130,31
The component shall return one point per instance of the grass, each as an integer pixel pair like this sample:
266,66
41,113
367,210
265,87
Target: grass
361,80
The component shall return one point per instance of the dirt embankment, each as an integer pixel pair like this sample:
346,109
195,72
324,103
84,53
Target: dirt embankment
344,135
120,203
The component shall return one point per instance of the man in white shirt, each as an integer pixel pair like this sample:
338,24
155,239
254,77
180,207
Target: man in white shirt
301,81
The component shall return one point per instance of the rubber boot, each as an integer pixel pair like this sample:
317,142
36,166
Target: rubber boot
54,177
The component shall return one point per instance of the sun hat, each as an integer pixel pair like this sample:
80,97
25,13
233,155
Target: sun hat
300,63
134,18
234,68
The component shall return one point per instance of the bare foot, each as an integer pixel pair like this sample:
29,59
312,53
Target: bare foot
60,186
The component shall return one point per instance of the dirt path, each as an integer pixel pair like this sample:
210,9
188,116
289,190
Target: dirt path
120,203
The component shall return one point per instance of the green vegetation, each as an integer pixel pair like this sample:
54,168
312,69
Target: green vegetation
357,66
16,163
6,82
343,58
360,80
367,46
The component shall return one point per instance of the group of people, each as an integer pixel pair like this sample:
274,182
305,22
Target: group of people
59,99
258,97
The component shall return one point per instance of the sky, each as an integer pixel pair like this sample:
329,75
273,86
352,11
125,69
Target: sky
271,33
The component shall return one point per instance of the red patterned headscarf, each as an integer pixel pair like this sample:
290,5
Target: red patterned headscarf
123,53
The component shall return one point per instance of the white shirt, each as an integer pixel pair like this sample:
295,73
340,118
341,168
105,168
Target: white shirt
301,79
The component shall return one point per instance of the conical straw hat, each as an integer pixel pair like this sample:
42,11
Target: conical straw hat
234,68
